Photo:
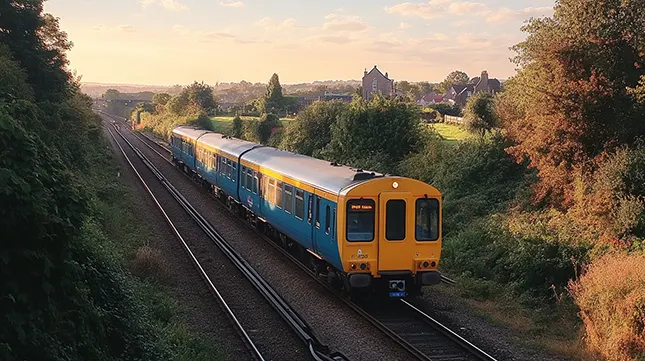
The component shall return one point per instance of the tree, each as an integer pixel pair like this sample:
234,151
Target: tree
377,134
311,131
273,100
161,99
200,97
571,100
456,77
479,114
112,94
237,130
268,124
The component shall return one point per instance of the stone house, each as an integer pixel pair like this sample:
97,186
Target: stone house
376,82
459,93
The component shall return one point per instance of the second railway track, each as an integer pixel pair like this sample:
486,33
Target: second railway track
295,322
424,337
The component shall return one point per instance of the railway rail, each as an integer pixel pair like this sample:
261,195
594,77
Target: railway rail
421,335
317,350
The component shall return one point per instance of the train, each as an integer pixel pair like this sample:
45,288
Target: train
365,232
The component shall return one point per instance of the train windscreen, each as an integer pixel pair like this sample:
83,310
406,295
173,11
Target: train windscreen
427,219
360,220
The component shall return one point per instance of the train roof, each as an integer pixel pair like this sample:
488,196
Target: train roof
189,131
232,146
327,176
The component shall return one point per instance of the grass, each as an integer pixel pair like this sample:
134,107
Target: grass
222,124
131,243
450,133
554,330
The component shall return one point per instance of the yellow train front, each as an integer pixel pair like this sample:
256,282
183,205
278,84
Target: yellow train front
389,232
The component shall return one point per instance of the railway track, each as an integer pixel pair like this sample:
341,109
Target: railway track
317,350
421,335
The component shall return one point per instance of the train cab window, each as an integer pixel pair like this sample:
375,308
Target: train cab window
427,220
310,209
278,194
395,220
288,198
249,179
360,220
327,222
271,191
255,182
300,204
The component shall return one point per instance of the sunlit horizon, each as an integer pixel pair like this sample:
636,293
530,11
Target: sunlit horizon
168,42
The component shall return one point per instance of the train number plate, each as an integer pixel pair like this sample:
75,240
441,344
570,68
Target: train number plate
397,294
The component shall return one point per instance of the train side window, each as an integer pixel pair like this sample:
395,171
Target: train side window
255,182
427,220
243,178
288,198
310,208
318,212
327,216
249,179
360,220
278,194
395,220
271,192
300,204
333,223
234,172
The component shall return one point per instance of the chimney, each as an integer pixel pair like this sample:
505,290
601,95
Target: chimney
484,81
386,75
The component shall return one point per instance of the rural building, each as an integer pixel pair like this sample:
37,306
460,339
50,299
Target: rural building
459,93
376,82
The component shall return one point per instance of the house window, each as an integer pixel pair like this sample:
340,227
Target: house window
374,84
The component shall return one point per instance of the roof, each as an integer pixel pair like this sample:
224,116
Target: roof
232,146
375,68
315,172
189,131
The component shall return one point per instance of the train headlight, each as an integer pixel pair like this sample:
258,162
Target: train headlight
363,266
395,185
433,264
425,264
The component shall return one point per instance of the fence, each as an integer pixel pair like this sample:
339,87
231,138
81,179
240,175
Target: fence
453,119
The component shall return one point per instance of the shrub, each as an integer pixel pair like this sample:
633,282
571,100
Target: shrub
611,297
148,262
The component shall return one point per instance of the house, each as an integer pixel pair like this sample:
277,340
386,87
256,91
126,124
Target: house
430,99
459,93
376,82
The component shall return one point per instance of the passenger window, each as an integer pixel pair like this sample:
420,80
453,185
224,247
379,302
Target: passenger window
278,194
288,198
249,179
327,223
318,212
243,180
310,209
300,204
255,182
427,220
271,191
395,220
360,220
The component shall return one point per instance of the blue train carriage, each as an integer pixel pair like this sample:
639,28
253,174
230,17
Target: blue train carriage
308,203
218,163
183,140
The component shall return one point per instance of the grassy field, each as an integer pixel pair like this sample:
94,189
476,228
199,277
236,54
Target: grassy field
223,123
450,132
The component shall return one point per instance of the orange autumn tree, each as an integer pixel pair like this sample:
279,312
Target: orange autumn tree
576,94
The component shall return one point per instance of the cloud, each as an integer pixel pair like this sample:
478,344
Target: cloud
215,35
269,23
506,14
344,23
181,29
232,4
334,39
118,28
404,26
172,5
467,8
127,28
430,10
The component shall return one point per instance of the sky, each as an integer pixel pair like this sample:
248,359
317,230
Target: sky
166,42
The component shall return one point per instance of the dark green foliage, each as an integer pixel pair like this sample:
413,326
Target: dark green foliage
376,135
530,266
311,131
161,98
479,114
237,130
447,109
273,100
268,124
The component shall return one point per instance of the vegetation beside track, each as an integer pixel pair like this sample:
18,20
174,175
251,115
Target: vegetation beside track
68,292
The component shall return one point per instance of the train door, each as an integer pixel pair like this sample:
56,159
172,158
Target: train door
395,236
